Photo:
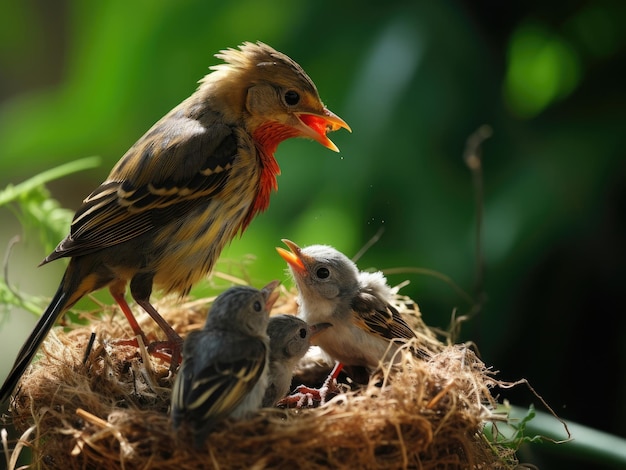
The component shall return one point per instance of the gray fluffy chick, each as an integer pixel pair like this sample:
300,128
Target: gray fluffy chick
290,339
357,303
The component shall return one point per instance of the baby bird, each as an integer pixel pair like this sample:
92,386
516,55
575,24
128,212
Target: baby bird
225,364
357,304
290,339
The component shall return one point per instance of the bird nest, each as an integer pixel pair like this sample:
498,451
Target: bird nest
105,405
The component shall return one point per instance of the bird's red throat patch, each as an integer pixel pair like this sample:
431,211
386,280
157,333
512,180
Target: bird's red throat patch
267,138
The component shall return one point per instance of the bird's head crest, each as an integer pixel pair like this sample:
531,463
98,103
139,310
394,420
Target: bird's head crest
257,62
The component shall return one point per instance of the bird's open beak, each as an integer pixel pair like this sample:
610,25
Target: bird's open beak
318,328
316,126
293,257
270,295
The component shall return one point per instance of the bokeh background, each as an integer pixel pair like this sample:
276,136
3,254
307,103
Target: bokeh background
413,79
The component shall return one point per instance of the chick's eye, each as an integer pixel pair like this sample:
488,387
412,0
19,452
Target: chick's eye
322,273
302,333
257,306
292,97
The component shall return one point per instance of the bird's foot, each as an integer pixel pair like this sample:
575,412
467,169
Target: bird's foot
303,397
167,350
308,397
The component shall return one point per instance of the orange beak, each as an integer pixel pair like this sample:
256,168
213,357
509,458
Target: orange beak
270,295
317,125
293,257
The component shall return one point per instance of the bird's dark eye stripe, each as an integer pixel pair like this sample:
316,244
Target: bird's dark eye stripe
292,97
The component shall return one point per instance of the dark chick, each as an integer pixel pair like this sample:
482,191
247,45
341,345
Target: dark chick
225,364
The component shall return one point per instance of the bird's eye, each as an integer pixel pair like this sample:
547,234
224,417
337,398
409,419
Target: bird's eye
322,273
257,306
302,333
292,97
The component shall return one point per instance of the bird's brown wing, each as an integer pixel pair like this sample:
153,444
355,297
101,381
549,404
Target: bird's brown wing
379,317
209,391
176,165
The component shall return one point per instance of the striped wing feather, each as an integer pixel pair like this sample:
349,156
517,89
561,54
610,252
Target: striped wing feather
175,166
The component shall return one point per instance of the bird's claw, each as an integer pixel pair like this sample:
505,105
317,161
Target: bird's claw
164,350
308,397
173,356
302,397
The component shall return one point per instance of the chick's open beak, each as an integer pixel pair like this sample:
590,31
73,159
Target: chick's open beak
293,257
317,125
270,295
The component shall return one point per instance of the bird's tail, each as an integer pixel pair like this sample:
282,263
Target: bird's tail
30,347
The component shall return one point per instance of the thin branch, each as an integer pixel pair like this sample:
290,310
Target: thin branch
369,244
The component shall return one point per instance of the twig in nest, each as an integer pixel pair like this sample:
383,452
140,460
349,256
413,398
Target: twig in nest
11,456
434,400
93,419
230,278
89,347
125,447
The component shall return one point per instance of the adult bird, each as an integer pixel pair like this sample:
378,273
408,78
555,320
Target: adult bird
224,371
187,187
366,327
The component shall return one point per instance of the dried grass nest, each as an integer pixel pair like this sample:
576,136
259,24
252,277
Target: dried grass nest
109,409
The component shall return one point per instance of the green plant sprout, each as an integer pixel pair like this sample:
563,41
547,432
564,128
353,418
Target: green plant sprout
39,213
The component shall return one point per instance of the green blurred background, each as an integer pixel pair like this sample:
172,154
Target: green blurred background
413,80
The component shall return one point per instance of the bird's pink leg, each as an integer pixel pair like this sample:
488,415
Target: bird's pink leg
128,313
334,373
137,331
309,396
174,342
